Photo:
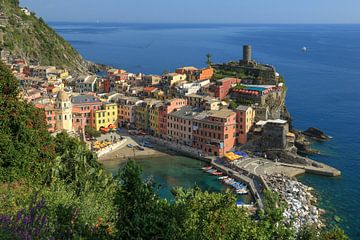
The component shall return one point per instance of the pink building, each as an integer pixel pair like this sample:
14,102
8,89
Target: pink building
50,116
32,94
214,132
223,86
86,105
126,114
245,118
168,107
79,119
179,125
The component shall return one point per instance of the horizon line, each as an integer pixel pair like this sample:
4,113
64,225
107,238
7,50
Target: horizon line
200,23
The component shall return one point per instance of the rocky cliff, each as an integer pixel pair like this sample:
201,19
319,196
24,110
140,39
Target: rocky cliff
29,37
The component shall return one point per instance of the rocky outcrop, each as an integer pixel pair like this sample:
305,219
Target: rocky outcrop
288,157
316,134
303,145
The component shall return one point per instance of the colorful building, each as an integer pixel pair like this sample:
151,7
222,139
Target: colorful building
179,125
205,73
150,80
214,132
245,118
223,87
86,105
86,84
174,78
168,107
143,114
104,117
126,114
155,118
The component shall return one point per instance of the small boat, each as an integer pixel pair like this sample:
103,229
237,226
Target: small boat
217,173
210,171
304,49
242,191
223,177
207,168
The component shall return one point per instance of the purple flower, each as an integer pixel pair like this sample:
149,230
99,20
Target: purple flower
40,204
43,220
18,216
26,220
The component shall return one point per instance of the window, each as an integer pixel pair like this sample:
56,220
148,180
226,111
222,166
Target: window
49,118
226,136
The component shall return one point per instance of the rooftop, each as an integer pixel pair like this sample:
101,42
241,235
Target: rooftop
222,113
187,112
85,99
242,108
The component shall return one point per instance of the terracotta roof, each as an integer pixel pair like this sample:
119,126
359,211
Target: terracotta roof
149,89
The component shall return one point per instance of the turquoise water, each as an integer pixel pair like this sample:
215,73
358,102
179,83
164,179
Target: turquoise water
176,171
255,89
323,83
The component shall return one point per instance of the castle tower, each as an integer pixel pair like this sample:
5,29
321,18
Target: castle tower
63,108
247,52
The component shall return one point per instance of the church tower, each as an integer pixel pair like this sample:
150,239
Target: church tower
63,112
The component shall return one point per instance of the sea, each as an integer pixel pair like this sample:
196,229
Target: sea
323,82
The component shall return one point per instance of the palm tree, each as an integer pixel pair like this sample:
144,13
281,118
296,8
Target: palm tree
208,61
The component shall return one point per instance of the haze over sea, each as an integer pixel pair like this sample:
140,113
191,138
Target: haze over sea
324,83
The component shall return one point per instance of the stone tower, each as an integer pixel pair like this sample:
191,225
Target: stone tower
247,53
63,112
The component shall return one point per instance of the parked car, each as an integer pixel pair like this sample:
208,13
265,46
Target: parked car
146,144
130,146
139,148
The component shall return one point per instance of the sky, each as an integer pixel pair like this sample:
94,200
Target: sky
198,11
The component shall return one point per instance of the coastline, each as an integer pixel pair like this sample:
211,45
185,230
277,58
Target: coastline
274,176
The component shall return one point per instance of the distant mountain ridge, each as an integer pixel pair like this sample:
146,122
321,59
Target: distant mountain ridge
29,37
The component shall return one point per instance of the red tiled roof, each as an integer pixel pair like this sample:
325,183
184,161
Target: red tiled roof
149,89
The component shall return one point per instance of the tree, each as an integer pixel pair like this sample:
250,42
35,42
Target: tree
208,59
25,144
92,132
141,214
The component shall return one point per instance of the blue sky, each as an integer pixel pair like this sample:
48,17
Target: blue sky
198,11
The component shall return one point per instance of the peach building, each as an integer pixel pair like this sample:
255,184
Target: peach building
179,125
86,104
223,86
79,119
126,114
205,73
168,107
245,118
214,132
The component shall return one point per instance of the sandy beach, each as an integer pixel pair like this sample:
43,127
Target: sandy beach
124,152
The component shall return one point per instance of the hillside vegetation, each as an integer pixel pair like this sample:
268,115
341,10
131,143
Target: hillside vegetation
31,38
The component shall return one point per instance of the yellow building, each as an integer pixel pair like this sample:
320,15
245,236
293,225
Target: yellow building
174,78
154,118
105,116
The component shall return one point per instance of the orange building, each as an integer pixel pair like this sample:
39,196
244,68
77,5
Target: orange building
214,132
245,118
205,73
